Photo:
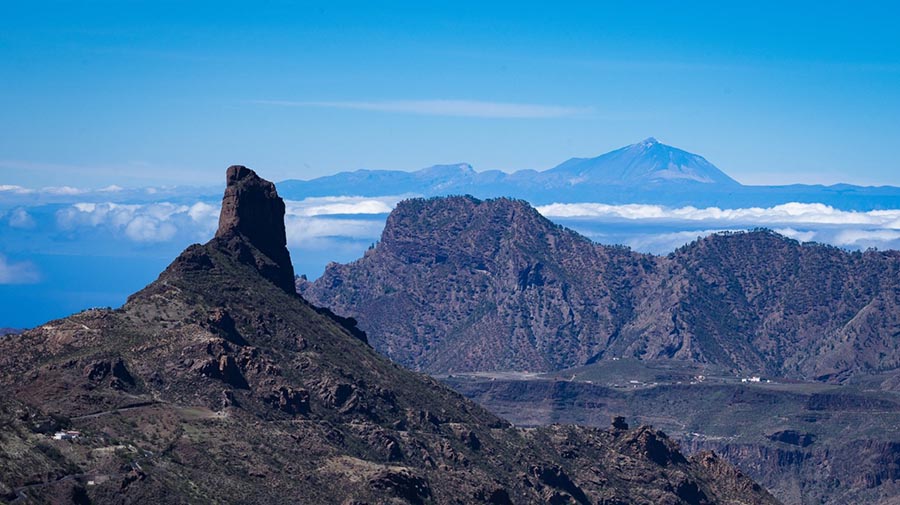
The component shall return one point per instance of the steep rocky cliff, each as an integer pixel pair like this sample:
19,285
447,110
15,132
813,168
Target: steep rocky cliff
460,284
218,384
805,442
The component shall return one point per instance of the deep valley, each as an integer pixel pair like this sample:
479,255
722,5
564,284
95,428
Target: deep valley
808,442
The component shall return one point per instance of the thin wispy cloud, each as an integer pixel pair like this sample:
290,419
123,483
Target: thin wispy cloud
20,218
451,108
15,189
23,272
16,172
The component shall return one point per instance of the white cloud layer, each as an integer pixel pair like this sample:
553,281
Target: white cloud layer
323,222
455,108
659,229
789,213
349,205
156,222
863,238
305,220
23,272
662,243
302,230
798,235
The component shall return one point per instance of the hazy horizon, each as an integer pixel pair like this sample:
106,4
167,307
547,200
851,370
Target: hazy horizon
69,187
152,93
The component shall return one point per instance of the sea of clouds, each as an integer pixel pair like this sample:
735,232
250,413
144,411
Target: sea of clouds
659,229
347,225
65,249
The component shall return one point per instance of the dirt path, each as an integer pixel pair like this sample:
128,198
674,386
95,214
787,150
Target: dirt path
120,409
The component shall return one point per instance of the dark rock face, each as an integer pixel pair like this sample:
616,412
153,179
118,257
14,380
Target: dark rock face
556,478
459,284
402,484
253,211
244,393
290,400
655,446
793,437
115,370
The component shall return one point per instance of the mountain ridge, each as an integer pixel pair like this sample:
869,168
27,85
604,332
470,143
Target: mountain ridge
645,172
492,285
215,384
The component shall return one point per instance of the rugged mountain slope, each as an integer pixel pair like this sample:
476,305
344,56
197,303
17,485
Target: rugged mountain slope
805,442
218,384
464,284
809,311
459,284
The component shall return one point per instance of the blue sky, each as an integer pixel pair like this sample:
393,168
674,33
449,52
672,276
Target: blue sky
137,93
141,94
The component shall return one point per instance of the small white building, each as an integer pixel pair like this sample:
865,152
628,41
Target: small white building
66,435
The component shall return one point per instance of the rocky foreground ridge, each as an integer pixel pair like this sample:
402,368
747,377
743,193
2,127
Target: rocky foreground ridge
460,284
218,384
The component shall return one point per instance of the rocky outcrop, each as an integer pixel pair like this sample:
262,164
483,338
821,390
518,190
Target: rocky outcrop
793,437
253,215
403,484
654,446
114,370
290,400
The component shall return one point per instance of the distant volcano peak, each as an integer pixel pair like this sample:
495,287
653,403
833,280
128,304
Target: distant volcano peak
647,162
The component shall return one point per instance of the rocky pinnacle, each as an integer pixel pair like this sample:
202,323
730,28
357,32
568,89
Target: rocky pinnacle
253,211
